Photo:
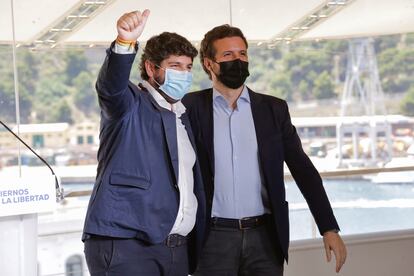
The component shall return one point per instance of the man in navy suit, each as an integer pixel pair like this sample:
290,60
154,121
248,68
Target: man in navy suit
243,138
148,193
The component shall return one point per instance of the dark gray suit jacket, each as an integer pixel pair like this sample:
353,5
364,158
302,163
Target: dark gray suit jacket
278,142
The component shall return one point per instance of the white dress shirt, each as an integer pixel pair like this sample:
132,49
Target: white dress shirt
187,210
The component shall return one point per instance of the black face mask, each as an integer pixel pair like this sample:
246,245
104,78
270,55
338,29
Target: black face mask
233,73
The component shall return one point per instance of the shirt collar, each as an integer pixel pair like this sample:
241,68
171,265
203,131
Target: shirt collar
178,108
243,96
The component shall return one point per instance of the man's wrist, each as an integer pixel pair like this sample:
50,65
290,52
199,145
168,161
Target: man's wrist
122,47
126,43
332,231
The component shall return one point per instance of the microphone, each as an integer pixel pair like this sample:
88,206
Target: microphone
59,190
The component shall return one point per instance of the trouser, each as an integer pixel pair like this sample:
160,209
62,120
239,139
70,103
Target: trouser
108,256
234,252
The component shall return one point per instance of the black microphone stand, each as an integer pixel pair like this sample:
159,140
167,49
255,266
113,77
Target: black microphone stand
59,190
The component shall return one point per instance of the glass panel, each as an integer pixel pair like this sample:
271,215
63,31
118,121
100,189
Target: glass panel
60,118
74,266
8,144
65,108
371,203
367,203
311,77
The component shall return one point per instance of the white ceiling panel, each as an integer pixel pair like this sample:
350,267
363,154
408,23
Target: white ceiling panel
367,18
31,17
260,20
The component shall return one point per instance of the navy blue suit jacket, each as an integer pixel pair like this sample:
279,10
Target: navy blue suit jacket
136,193
278,142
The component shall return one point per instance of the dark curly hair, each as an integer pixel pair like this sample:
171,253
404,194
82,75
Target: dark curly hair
206,48
162,46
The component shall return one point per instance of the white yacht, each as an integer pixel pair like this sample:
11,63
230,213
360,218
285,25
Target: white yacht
398,178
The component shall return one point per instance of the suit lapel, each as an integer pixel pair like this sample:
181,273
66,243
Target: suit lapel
170,132
259,118
184,119
207,126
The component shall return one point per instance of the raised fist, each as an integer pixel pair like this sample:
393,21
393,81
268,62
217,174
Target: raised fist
131,25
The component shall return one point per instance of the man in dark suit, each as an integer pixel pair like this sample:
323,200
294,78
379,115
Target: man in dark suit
243,138
148,193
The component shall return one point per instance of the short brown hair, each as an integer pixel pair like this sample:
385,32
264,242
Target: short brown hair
162,46
207,50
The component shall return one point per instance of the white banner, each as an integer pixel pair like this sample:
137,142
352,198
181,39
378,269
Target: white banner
27,195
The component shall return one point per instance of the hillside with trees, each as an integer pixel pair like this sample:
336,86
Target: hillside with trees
58,85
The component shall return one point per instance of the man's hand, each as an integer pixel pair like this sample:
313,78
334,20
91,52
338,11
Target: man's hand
333,241
131,25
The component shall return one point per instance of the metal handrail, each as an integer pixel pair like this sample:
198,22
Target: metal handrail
324,174
364,171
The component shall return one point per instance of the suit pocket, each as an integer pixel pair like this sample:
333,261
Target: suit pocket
121,179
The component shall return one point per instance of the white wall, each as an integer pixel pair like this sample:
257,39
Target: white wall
379,254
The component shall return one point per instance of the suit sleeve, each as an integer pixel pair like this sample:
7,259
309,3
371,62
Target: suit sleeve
114,95
306,176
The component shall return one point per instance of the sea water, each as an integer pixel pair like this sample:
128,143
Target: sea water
359,205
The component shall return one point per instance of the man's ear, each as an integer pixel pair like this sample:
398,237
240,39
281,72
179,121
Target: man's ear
149,68
207,63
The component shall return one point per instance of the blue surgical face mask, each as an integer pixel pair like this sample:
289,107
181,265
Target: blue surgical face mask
176,83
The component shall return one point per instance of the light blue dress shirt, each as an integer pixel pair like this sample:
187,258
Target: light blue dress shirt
238,188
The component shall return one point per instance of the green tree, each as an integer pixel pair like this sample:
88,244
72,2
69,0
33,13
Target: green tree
200,78
396,69
281,87
75,63
386,42
7,97
303,66
49,94
62,113
85,97
7,89
407,104
304,90
324,87
28,74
